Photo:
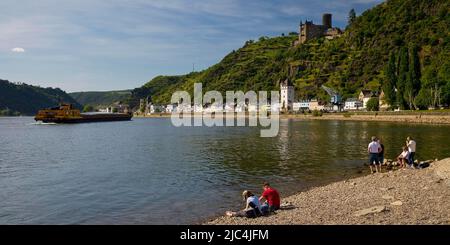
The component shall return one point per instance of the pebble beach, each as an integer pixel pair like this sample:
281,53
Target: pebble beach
404,196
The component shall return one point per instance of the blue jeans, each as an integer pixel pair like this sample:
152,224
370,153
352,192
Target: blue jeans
411,158
266,209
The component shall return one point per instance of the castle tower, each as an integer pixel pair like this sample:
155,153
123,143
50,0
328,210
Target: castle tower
287,95
326,20
305,31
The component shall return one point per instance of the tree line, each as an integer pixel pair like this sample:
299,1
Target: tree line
406,88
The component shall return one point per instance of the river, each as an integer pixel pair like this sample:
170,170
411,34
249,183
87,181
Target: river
146,171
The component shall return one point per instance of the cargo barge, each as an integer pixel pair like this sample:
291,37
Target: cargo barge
66,113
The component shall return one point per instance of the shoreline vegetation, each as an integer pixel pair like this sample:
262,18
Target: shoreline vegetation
428,117
406,196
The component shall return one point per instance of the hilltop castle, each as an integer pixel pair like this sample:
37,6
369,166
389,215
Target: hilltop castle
309,30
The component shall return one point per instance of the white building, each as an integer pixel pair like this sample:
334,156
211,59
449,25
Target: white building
171,108
185,108
240,108
287,95
156,109
105,110
314,105
198,108
296,106
275,107
213,108
229,107
116,107
353,104
253,108
301,105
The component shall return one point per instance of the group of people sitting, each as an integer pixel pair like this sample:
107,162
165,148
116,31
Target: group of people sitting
376,154
408,154
270,199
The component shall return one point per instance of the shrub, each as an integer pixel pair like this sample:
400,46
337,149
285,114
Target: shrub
88,108
373,104
317,113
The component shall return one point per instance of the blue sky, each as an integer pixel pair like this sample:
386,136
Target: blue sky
99,45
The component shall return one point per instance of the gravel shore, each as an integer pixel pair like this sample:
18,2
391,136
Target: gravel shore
404,196
415,118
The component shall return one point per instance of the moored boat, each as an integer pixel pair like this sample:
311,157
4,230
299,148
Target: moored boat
66,113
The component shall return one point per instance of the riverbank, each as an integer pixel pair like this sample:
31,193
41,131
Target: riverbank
404,196
401,117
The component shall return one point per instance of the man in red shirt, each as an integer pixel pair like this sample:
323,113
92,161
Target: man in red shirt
272,198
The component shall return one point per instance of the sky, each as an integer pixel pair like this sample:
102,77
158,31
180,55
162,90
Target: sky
102,45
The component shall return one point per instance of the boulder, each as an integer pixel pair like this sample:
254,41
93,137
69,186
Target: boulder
387,197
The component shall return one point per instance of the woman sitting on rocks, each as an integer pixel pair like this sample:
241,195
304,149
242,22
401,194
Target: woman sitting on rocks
252,207
402,159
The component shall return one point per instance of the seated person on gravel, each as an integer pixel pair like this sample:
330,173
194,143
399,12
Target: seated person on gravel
252,207
403,158
272,198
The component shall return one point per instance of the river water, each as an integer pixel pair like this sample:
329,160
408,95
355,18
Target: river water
146,171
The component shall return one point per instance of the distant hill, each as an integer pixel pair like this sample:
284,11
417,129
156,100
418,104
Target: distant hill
99,99
348,64
24,99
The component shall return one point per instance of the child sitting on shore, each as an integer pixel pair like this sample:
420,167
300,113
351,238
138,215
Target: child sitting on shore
402,159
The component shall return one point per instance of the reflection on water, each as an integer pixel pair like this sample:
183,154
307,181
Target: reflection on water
146,171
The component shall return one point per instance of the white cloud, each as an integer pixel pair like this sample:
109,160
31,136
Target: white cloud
18,50
103,39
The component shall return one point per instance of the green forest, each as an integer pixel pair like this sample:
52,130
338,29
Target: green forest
98,99
23,99
400,46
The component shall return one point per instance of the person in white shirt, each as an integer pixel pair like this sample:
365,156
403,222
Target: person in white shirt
252,207
403,158
411,144
373,149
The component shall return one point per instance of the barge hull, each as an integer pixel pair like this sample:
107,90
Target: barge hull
66,113
85,120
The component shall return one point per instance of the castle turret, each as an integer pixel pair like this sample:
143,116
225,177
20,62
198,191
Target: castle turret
326,20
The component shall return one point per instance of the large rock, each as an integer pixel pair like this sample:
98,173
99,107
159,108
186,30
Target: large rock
372,210
442,169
